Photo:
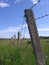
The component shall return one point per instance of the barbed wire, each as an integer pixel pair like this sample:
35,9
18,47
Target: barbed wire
23,23
35,4
42,17
22,28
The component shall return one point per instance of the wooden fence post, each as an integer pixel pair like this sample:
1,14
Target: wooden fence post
15,39
34,36
18,39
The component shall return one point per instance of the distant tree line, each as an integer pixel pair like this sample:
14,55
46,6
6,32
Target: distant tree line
42,37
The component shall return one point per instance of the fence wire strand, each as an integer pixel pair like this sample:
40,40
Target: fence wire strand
42,16
23,28
35,4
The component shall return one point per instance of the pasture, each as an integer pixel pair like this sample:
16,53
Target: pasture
11,54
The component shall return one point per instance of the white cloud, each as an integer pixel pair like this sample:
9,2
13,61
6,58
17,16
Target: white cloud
8,32
34,1
24,25
13,29
10,29
43,29
4,4
16,1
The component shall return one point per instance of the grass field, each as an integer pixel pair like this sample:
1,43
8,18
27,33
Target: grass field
11,54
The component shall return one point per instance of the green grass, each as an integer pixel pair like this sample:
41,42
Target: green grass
11,54
45,49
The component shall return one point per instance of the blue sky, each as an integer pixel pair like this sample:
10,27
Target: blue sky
11,17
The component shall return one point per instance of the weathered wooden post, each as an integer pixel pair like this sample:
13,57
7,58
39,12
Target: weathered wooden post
34,36
14,38
18,39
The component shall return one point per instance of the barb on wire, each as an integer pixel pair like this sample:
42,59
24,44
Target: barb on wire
35,4
42,16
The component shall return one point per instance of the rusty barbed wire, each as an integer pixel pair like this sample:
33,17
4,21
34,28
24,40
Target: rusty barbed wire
35,4
42,17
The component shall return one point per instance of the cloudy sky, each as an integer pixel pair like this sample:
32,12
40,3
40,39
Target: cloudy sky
11,17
